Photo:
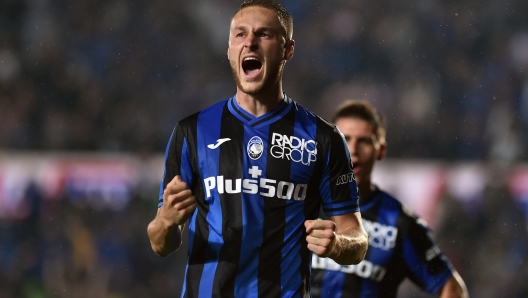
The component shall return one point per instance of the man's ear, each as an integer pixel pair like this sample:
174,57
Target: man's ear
290,48
382,152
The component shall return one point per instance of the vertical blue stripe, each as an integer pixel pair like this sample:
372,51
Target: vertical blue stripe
410,256
370,287
388,215
246,283
208,131
332,283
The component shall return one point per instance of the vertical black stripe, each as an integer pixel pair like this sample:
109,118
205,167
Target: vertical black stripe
230,166
317,282
270,257
173,160
312,206
352,286
417,234
396,267
337,151
197,256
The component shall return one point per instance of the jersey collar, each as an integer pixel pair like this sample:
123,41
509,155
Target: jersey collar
263,120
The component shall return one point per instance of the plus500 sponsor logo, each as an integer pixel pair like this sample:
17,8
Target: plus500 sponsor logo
365,269
293,148
265,187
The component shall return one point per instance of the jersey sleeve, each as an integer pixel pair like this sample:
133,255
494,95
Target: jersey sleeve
426,265
338,186
177,161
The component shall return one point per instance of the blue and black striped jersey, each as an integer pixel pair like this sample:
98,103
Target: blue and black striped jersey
256,180
400,246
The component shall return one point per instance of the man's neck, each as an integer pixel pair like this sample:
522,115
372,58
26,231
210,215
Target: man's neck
259,104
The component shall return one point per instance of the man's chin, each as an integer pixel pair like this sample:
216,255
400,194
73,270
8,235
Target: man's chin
252,88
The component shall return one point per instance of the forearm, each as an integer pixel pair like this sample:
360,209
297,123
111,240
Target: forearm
164,238
349,248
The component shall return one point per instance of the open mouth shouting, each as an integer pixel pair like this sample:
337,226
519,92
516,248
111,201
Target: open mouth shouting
251,66
356,166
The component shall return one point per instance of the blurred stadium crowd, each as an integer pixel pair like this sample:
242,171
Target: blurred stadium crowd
452,76
115,76
80,226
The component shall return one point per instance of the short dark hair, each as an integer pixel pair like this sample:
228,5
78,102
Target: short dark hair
365,111
285,17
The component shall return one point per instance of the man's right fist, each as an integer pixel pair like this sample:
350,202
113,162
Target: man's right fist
178,202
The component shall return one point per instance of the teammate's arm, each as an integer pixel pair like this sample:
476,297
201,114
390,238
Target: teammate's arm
165,229
454,288
342,238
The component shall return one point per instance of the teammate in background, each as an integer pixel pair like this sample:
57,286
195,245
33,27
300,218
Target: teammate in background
400,243
251,173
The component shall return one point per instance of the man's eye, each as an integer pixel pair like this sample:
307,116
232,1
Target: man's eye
240,35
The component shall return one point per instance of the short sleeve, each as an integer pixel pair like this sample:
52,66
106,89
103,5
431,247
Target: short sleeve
427,266
177,161
338,186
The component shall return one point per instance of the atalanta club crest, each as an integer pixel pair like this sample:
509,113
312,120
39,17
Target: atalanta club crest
255,147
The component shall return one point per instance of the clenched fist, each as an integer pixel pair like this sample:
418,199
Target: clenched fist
179,202
321,236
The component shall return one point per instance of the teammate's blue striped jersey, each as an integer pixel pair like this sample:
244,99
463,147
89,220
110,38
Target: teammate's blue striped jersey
400,246
256,180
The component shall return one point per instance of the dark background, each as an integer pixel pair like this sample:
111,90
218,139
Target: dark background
113,77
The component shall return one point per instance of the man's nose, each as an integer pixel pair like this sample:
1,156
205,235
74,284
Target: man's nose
251,41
